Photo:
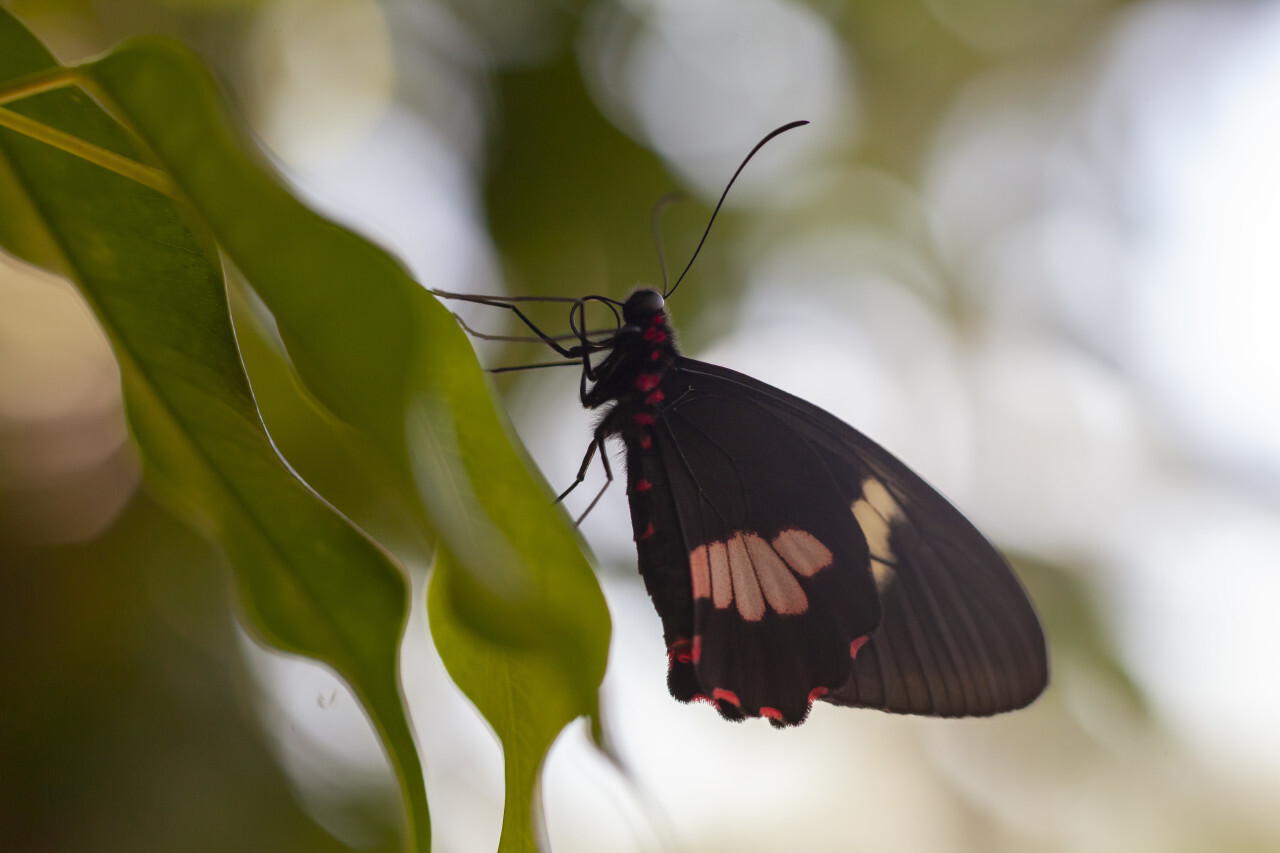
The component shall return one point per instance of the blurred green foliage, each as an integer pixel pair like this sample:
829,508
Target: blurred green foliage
126,722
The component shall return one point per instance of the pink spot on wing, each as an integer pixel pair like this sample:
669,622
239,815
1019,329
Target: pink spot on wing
771,713
721,580
646,441
643,485
700,572
746,586
654,398
803,552
648,531
779,585
643,419
726,696
857,644
647,381
817,693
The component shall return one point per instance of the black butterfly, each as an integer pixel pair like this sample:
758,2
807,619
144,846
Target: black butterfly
790,557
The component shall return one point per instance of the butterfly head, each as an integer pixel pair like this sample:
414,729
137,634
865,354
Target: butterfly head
641,307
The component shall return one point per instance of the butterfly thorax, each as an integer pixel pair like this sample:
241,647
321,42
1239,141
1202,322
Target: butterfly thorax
641,353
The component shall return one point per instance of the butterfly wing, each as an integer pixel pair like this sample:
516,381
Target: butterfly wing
913,612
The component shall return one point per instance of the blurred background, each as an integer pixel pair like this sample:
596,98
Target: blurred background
1028,245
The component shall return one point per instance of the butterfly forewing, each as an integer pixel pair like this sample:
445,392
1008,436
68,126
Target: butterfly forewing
958,635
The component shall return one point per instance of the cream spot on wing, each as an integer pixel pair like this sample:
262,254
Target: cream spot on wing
700,572
874,493
882,574
780,587
874,528
802,551
746,589
721,586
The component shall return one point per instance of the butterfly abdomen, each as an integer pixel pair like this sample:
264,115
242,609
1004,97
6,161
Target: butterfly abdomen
634,383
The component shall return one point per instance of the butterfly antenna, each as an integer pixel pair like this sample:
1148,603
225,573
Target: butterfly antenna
666,294
659,209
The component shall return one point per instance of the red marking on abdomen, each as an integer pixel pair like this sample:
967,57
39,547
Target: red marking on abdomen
648,531
817,693
647,381
643,485
655,355
726,695
857,644
646,441
771,713
654,398
642,418
655,335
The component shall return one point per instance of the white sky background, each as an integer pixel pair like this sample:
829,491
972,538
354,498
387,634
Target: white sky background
1121,226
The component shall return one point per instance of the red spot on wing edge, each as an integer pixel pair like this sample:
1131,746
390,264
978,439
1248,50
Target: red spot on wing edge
771,713
856,645
726,695
817,693
679,653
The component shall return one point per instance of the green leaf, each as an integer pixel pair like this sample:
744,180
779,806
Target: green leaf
387,358
309,582
522,693
384,356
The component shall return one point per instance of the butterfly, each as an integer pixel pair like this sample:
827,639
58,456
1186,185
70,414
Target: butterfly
791,558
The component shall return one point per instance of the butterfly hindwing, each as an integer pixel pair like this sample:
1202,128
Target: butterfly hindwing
778,575
755,477
663,558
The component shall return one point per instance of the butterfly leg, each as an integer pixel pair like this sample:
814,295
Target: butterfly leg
497,302
597,444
